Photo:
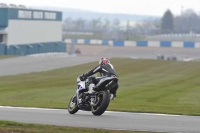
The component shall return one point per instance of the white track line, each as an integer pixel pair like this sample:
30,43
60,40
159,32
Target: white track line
34,108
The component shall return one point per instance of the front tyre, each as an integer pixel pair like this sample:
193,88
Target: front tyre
72,106
103,100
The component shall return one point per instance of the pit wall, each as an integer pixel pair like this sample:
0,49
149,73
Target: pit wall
121,43
27,49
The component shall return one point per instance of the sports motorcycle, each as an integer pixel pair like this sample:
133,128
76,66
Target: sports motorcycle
96,102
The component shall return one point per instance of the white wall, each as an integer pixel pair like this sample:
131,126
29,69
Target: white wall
197,45
26,31
130,43
153,43
80,41
93,41
99,42
177,44
68,40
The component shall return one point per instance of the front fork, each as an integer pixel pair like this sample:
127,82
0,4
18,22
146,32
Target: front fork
83,95
77,96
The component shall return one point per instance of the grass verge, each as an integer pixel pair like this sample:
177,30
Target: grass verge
14,127
154,86
7,56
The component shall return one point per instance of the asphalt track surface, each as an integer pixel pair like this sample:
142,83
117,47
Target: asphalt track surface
141,52
19,65
29,64
109,120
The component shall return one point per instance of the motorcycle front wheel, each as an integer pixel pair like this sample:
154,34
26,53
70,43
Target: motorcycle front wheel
72,106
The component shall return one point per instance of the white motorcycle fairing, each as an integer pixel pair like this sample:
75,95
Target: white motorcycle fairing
80,84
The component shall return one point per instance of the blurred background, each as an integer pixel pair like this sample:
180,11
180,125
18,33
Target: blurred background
126,20
158,24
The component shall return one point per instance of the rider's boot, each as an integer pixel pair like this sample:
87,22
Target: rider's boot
90,91
91,88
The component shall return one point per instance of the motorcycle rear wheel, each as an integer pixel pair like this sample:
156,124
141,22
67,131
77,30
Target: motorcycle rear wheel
103,101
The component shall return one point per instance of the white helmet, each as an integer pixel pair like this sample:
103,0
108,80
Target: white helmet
104,61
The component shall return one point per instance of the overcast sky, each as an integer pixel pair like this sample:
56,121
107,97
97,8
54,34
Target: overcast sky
142,7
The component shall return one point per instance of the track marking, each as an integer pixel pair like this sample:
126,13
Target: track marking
50,109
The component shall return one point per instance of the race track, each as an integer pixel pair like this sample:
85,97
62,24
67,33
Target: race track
29,64
109,120
25,64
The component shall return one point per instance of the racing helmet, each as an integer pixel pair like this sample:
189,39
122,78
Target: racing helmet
104,61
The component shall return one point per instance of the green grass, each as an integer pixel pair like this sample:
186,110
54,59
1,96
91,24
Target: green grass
196,60
154,86
13,127
6,56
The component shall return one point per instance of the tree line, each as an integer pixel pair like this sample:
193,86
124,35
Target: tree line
187,22
94,25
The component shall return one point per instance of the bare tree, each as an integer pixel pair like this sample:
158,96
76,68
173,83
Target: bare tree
127,29
106,25
148,27
187,22
96,23
68,23
116,24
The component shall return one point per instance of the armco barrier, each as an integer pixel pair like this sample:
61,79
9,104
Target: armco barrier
2,49
74,41
189,44
141,43
165,44
87,41
105,42
118,43
136,43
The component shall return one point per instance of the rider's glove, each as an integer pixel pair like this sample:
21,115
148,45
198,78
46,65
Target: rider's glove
82,77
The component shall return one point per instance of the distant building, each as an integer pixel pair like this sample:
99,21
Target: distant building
26,31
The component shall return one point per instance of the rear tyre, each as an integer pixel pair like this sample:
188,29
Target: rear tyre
103,101
72,106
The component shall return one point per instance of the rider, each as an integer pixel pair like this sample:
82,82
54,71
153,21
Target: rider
105,68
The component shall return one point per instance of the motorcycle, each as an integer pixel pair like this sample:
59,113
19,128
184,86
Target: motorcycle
96,102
